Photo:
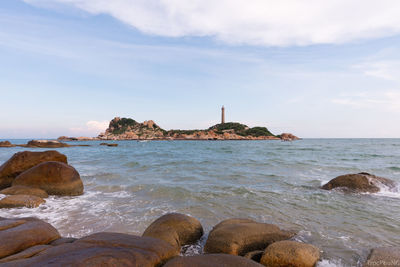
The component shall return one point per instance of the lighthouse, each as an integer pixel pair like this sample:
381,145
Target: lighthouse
222,115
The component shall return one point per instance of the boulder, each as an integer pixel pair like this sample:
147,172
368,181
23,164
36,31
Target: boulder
382,257
17,235
103,144
27,253
176,229
240,236
290,253
56,178
6,144
103,249
23,161
18,201
359,183
46,144
23,190
214,260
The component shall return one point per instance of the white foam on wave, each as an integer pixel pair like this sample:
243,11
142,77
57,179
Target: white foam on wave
386,191
330,263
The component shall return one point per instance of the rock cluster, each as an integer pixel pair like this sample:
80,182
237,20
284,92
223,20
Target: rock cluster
32,242
37,243
28,177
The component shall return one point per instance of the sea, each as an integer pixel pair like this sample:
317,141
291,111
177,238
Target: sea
129,186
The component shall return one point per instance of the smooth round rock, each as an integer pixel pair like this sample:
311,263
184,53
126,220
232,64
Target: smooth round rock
290,253
103,249
55,178
240,236
19,201
23,161
23,190
18,235
360,183
176,229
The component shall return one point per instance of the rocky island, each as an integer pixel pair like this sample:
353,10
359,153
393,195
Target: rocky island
129,129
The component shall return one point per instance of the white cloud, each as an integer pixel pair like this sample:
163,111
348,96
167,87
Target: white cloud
387,101
256,22
384,69
92,128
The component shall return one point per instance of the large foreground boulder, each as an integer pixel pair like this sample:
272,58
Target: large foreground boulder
214,260
383,257
56,178
46,144
290,253
23,161
17,235
103,249
240,236
24,190
18,201
6,144
176,229
359,183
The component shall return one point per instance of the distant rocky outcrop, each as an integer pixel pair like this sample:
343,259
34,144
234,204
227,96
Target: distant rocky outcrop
6,144
46,144
129,129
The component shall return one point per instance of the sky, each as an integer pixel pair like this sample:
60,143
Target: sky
317,69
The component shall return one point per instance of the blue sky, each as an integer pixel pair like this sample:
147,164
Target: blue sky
67,67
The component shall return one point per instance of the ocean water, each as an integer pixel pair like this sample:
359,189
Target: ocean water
129,186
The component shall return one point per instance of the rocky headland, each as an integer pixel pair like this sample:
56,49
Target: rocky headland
129,129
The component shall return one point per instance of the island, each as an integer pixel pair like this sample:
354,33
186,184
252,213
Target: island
129,129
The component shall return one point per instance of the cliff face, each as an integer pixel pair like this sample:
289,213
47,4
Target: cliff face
129,129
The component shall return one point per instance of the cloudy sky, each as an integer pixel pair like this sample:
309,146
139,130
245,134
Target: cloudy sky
310,67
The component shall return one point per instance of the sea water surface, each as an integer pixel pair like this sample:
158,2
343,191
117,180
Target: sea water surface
129,186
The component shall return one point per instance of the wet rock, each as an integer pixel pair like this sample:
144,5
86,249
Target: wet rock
103,144
112,144
18,235
359,183
46,144
254,255
290,253
6,144
63,240
27,253
23,190
214,260
240,236
23,161
19,201
55,178
383,257
176,229
103,249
